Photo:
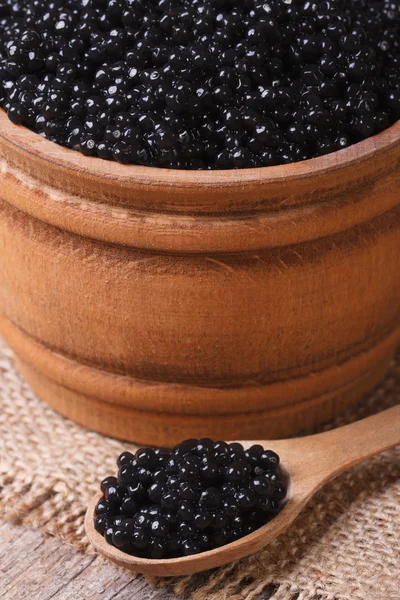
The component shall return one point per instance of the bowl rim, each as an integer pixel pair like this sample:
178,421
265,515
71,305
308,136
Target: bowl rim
29,141
190,212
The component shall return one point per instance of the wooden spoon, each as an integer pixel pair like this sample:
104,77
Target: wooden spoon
310,462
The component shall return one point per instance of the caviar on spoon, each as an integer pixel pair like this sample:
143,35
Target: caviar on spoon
181,523
196,497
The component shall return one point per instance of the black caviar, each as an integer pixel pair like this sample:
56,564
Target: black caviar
201,84
198,496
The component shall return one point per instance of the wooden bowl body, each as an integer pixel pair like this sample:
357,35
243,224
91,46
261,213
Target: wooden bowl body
155,305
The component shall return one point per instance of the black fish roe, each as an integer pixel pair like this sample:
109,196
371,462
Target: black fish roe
201,84
198,496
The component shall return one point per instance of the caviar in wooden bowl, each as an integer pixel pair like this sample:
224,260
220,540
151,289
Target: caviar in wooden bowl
156,304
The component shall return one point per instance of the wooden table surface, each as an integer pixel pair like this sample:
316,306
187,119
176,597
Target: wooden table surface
34,567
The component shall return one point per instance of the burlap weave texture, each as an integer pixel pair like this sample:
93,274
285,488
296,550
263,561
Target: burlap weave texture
344,546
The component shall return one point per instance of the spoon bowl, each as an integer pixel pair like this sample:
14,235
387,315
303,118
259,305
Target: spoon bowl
310,462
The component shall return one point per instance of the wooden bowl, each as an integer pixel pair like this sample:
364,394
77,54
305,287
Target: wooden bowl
155,305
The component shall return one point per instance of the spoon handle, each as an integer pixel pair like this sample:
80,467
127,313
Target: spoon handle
325,455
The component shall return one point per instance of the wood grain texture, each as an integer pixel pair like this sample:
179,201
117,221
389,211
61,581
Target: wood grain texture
33,567
151,304
310,462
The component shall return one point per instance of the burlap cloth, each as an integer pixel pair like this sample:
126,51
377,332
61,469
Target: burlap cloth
344,546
